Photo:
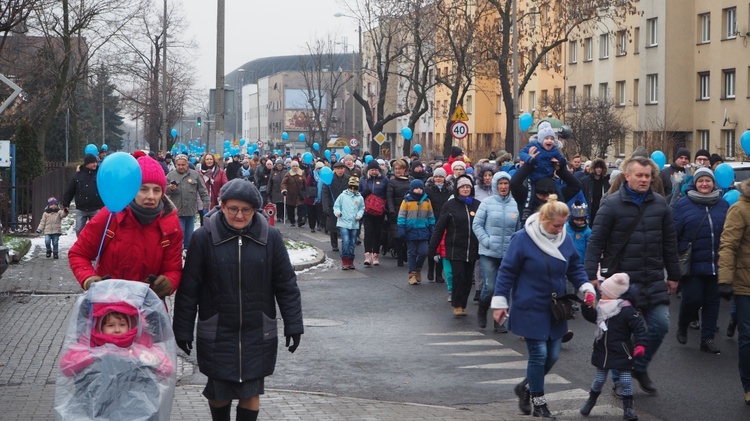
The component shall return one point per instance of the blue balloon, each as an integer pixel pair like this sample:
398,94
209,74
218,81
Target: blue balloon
659,158
242,142
285,135
316,146
213,150
732,196
173,132
525,121
347,149
118,180
91,149
105,147
418,148
227,144
326,175
406,133
724,175
227,155
327,153
368,158
301,137
745,142
307,157
193,159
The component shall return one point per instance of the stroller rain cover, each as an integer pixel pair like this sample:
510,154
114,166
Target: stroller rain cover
124,376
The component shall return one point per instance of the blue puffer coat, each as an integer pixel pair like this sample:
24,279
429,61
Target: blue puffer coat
496,221
687,216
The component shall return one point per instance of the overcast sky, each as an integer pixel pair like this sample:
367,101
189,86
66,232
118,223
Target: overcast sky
256,29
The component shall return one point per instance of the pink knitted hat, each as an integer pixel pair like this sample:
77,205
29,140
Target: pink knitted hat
152,172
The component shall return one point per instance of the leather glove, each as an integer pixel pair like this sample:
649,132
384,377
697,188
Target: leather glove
725,291
162,286
639,351
185,346
294,339
90,280
436,258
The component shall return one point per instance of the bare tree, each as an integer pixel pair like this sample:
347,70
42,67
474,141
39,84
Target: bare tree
13,15
661,135
597,125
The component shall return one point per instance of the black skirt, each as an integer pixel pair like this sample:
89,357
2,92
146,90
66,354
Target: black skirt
221,390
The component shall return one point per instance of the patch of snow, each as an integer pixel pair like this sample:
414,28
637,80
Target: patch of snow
326,264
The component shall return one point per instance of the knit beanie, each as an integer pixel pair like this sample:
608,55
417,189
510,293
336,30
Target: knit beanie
615,285
373,165
319,165
152,172
544,132
439,172
458,164
463,181
240,189
416,184
545,185
52,201
682,152
415,163
716,158
89,159
640,151
456,152
703,172
703,152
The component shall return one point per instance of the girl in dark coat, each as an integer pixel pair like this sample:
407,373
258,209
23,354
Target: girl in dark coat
617,321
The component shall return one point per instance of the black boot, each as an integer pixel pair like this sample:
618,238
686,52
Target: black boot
524,398
55,255
222,413
49,252
431,270
645,382
628,413
540,407
477,296
484,306
246,414
589,405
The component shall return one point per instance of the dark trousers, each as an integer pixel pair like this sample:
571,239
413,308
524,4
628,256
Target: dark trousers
291,211
700,292
373,229
315,217
463,275
280,213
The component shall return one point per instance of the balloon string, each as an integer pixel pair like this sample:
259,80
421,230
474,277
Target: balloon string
101,245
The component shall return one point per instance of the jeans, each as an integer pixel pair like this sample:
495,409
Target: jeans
743,338
490,265
53,240
700,292
187,223
657,322
82,217
348,241
543,355
462,282
416,254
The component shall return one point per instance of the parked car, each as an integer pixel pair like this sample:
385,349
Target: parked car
741,171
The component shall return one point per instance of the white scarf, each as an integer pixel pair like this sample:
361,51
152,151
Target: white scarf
547,243
606,309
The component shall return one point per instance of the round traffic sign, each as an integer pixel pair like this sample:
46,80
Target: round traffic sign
353,142
260,144
459,130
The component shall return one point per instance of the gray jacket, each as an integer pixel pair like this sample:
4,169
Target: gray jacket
189,187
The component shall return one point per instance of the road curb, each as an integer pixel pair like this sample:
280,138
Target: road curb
320,257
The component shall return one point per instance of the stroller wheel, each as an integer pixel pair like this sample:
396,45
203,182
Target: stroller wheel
393,253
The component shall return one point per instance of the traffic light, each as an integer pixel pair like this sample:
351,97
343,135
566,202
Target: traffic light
198,122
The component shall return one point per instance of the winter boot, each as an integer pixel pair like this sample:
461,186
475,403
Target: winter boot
351,263
55,255
49,252
524,398
344,263
222,413
589,405
246,414
431,270
628,413
540,407
482,310
368,259
375,261
413,278
419,275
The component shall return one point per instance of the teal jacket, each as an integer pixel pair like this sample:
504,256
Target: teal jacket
348,209
416,221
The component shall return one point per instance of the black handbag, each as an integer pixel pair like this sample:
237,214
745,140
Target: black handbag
685,258
561,307
311,192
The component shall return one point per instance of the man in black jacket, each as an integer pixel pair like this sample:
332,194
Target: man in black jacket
669,175
330,193
82,188
643,255
233,168
595,185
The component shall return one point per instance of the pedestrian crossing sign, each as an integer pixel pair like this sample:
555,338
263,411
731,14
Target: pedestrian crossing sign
459,114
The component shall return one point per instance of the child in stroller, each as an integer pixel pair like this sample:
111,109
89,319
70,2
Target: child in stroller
118,356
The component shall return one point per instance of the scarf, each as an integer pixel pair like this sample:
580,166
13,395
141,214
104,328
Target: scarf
605,310
638,198
704,199
143,215
467,200
546,242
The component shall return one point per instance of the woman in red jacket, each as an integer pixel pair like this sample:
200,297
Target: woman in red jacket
143,242
214,178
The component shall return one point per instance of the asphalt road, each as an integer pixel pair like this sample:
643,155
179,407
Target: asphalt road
371,335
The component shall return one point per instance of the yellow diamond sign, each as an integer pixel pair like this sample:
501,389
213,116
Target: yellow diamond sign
380,138
459,114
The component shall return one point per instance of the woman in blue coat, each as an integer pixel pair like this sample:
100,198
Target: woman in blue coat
494,225
699,218
539,259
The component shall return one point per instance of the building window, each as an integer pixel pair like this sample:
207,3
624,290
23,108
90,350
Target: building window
704,136
636,40
499,100
635,92
587,93
469,104
652,38
588,49
532,101
728,84
653,88
730,23
520,102
622,43
729,143
573,52
572,100
545,99
557,93
704,30
621,93
704,83
603,88
620,146
603,46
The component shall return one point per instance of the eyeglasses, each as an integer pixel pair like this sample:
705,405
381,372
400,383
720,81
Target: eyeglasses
234,210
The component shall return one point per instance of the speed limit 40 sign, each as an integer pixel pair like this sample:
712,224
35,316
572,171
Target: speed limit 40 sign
459,130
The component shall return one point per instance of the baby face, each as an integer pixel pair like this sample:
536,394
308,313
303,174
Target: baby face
115,325
548,143
579,222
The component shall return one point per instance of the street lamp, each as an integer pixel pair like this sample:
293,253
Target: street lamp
238,99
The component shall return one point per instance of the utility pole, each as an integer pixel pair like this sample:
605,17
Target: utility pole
219,97
163,143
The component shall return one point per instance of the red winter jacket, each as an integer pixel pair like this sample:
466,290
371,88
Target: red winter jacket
131,251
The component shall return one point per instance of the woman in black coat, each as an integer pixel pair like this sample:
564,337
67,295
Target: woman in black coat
237,269
461,245
438,191
398,186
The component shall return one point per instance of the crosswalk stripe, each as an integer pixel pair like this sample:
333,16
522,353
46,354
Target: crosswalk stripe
570,394
501,352
464,333
548,379
483,342
497,366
